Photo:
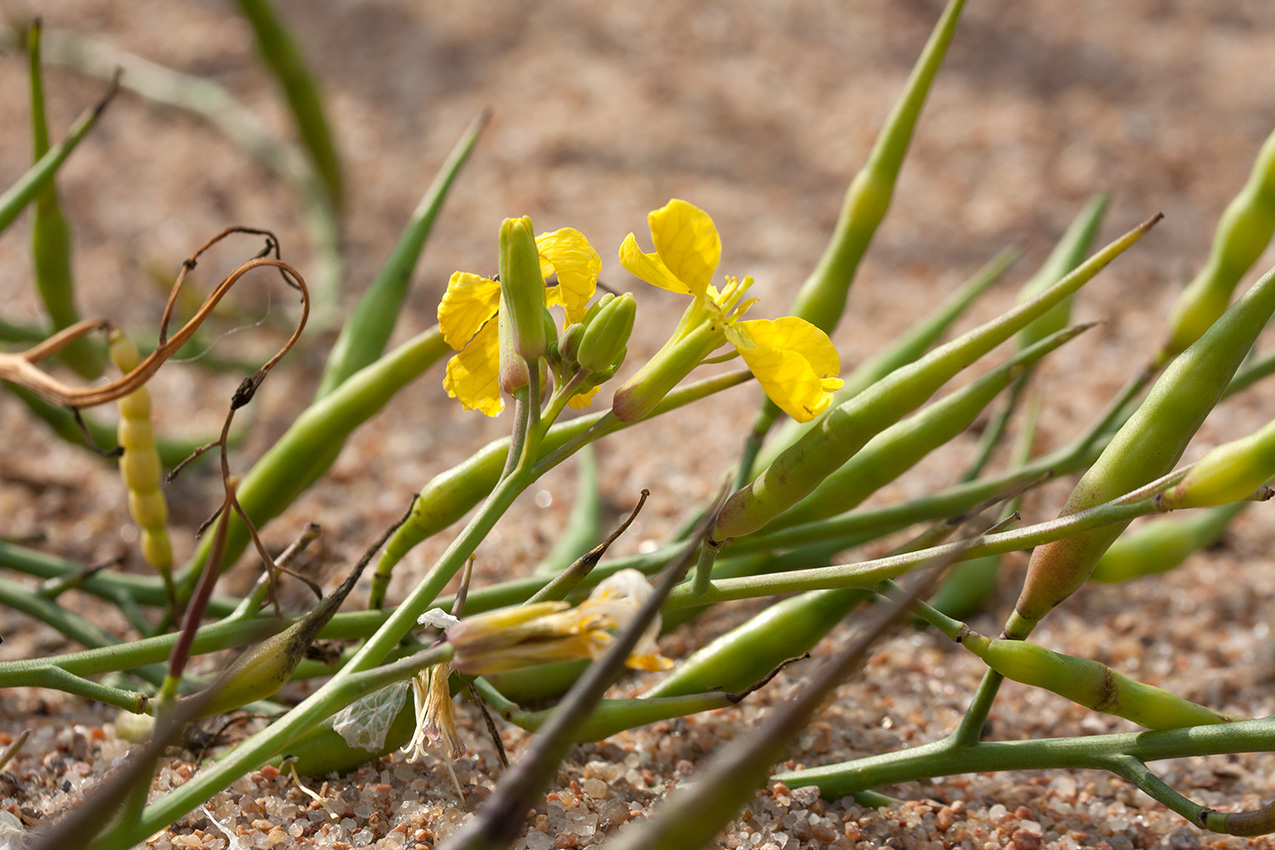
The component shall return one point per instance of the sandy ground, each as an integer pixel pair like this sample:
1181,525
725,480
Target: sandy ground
759,112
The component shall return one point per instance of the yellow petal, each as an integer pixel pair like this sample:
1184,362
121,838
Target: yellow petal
649,267
795,363
686,240
580,401
568,253
473,375
469,302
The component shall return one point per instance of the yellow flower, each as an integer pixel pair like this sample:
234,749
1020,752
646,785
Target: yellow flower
794,361
527,635
472,301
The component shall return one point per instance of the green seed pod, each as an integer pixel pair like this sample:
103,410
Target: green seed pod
1243,233
607,334
1091,684
51,237
1229,473
1067,254
1161,544
745,655
265,667
845,429
822,298
522,288
898,448
903,350
1146,447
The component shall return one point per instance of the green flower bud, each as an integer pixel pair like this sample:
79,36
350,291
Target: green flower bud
522,289
596,307
602,347
569,345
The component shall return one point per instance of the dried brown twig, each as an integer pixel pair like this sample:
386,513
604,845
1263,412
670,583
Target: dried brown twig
21,368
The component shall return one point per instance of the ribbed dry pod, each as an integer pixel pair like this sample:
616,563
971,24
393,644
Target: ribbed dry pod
139,464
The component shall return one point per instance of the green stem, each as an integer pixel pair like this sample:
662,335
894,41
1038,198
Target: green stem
970,730
947,758
867,574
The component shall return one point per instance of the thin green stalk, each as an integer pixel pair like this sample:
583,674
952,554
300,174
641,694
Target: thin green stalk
55,678
943,758
868,573
110,585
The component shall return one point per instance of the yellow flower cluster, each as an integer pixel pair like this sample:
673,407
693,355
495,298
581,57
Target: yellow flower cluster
472,301
794,361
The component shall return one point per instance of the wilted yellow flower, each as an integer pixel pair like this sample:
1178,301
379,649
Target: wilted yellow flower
794,361
472,301
435,720
542,632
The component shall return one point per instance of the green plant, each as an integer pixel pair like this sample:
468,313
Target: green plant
794,505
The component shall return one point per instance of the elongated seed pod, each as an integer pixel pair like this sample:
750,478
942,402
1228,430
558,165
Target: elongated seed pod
1163,543
139,465
1243,233
847,428
51,238
898,448
266,666
903,350
1070,252
1091,684
822,298
281,53
1146,447
743,656
1229,473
